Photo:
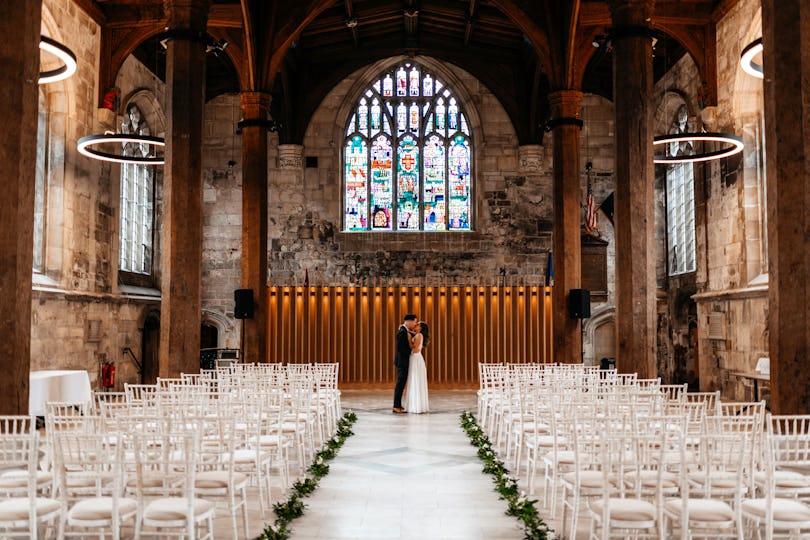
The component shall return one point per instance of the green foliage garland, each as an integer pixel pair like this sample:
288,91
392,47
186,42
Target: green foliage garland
521,507
293,507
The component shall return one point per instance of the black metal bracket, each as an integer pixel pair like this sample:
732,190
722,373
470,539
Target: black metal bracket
134,359
563,121
270,125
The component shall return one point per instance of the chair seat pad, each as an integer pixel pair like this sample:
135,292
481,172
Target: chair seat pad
16,508
19,479
217,479
248,455
587,479
174,509
669,479
564,457
784,479
626,509
705,510
785,510
98,508
719,480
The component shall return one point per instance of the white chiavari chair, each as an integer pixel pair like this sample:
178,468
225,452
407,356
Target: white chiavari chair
14,481
91,472
174,460
706,512
778,509
21,515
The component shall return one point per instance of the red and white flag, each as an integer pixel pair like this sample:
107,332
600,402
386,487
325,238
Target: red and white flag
590,211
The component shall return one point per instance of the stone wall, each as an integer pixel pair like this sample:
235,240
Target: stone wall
729,285
80,314
513,204
512,207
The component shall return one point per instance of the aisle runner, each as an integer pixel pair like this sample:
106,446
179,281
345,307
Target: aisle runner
406,477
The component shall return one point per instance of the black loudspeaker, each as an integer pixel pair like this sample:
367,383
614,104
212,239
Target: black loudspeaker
244,303
579,303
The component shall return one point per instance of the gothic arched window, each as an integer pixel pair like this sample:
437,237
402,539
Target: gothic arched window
680,202
407,156
137,200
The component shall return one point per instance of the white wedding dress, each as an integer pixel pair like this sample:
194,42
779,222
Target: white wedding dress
417,389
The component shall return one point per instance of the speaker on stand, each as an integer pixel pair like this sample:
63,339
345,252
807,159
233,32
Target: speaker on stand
579,307
243,309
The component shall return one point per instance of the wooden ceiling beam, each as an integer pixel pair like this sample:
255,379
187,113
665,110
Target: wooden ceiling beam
469,20
92,10
351,21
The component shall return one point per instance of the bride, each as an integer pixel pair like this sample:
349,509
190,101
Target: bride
417,399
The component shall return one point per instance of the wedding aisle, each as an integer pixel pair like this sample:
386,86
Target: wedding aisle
406,477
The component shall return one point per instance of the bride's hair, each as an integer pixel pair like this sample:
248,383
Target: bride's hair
425,333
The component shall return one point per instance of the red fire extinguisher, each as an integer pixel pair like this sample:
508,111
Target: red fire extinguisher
108,375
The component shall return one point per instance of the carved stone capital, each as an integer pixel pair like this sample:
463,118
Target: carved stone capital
530,158
290,156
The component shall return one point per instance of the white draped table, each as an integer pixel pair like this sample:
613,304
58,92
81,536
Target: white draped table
67,385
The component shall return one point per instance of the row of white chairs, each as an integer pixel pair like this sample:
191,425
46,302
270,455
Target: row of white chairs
156,458
651,460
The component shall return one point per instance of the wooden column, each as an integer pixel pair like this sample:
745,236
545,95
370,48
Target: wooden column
634,215
786,37
565,109
255,107
20,28
182,188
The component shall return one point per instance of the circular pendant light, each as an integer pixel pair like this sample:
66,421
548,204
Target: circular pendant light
86,144
733,145
64,54
747,59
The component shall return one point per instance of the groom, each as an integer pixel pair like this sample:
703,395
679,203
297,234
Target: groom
402,357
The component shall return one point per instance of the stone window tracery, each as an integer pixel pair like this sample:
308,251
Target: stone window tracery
137,200
680,193
407,156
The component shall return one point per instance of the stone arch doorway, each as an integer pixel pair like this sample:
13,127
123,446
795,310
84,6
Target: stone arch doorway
209,336
150,345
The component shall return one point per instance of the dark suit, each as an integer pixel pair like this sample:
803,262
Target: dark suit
401,361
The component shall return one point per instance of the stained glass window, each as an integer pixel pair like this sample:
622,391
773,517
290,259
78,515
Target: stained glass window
407,156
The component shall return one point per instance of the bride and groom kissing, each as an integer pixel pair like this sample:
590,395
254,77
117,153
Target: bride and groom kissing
411,337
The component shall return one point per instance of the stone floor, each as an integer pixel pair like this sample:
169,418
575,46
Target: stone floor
401,477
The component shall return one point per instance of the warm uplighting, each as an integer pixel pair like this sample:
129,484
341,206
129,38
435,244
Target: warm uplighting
734,145
86,144
64,55
747,59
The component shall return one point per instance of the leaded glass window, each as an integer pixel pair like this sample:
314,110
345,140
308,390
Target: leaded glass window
681,218
407,156
137,201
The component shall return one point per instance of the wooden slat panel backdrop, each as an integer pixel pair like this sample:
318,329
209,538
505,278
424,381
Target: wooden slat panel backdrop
355,326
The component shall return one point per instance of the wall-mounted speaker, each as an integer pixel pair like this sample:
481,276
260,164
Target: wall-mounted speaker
579,303
244,303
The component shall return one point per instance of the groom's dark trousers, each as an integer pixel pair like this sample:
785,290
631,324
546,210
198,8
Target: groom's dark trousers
401,360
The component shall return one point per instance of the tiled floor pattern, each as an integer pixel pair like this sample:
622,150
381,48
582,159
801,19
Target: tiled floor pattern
401,477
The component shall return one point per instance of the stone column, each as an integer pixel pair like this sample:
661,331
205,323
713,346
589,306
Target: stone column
634,206
180,306
567,333
786,37
20,26
255,107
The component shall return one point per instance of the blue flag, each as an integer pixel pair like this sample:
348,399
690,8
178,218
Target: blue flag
550,271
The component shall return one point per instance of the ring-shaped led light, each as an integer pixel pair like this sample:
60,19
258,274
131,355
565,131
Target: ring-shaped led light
747,59
734,145
64,54
85,145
